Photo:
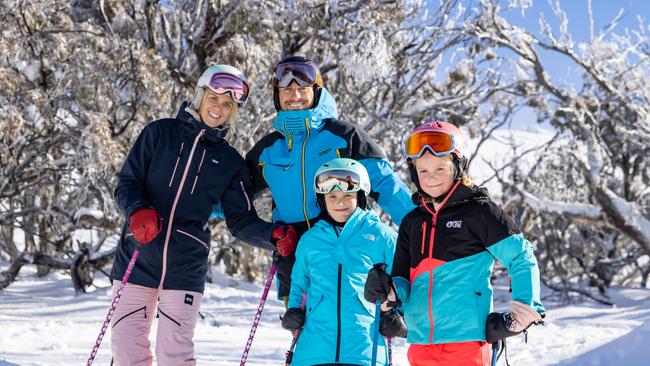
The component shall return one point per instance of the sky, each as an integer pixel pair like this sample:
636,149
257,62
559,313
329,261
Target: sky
604,12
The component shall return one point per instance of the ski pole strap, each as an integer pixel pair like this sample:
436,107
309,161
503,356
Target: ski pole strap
390,351
111,311
260,309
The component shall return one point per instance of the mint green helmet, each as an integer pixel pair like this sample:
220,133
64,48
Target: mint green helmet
347,175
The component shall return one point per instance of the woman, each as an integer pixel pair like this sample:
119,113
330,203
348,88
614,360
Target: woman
177,171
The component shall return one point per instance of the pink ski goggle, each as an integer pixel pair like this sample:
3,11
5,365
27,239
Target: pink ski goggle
222,83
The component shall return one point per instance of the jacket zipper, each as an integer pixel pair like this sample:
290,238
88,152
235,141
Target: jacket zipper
338,316
423,230
304,187
248,201
198,171
431,243
178,158
171,214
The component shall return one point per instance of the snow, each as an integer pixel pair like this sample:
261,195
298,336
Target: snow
44,322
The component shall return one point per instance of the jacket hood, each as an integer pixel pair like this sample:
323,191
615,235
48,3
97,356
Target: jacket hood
296,122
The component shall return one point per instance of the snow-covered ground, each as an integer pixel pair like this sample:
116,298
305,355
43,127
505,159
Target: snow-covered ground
42,322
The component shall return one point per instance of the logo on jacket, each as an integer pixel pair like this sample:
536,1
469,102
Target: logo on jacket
454,224
369,237
189,299
324,152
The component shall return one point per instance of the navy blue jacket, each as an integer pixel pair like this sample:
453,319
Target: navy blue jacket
183,168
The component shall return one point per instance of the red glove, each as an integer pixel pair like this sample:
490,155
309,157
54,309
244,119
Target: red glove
145,224
285,239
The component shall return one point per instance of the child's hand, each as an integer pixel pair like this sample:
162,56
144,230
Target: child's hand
518,319
293,319
391,324
378,285
522,316
390,301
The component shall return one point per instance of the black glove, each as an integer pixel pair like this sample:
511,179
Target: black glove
293,319
391,324
378,284
498,327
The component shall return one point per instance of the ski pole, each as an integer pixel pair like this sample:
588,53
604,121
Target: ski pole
260,308
390,351
495,349
296,334
375,331
116,299
294,341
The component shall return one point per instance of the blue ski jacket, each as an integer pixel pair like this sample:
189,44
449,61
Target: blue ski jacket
286,161
443,263
183,168
331,268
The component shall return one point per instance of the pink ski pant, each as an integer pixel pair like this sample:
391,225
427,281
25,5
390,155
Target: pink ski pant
131,323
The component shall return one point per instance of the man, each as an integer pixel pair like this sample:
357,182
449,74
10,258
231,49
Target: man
308,134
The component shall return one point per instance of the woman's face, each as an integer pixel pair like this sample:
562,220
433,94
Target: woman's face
216,109
340,205
436,174
296,97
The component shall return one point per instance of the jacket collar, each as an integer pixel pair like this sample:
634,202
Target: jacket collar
299,122
461,194
354,223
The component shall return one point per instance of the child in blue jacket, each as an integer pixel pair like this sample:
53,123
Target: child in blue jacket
332,262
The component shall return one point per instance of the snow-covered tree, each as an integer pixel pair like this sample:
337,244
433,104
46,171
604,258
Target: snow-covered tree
586,201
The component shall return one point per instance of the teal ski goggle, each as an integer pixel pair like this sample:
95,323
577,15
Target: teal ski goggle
344,180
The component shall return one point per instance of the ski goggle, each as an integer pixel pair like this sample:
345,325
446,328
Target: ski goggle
344,180
222,83
303,73
437,142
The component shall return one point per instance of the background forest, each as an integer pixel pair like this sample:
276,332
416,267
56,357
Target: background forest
80,79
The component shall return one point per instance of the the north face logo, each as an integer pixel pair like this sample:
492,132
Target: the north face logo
369,237
454,224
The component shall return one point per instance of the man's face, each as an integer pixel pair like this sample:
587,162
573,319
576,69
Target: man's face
295,97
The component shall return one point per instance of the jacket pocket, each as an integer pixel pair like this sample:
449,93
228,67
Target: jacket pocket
313,302
199,241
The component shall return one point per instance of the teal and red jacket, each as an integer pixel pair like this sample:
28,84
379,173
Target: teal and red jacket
443,263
